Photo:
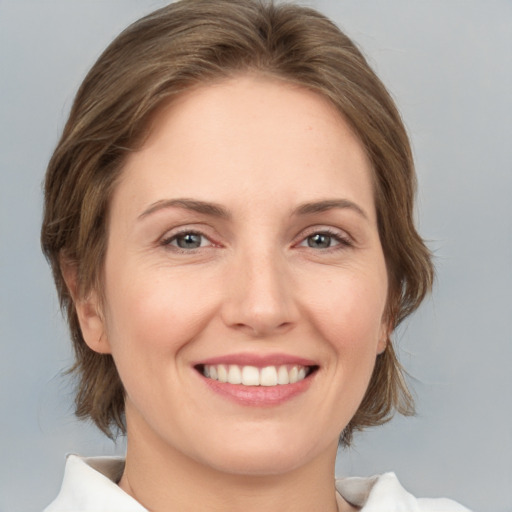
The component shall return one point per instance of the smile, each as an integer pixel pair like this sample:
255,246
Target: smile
254,376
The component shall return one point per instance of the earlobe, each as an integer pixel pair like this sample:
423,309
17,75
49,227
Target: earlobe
88,309
92,324
381,347
383,338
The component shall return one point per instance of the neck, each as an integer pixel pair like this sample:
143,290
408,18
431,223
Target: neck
163,479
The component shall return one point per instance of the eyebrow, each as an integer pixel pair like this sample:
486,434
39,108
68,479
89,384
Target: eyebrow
194,205
329,204
216,210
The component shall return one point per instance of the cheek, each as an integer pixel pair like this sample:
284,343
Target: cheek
349,313
153,316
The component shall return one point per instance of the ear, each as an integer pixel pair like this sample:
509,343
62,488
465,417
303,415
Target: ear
385,332
88,309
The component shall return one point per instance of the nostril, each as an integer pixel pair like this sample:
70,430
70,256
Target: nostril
258,327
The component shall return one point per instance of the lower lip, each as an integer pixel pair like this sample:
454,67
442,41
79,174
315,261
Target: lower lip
258,396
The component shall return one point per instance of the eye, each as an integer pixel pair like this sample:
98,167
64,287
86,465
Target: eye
325,240
319,241
188,240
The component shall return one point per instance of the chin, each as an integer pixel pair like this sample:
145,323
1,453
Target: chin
261,463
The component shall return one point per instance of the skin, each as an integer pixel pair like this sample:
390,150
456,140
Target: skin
259,149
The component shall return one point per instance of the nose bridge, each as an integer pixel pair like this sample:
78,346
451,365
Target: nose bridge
260,294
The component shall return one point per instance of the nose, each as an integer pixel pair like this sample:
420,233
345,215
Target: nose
259,295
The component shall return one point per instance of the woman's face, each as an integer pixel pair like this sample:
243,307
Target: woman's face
243,246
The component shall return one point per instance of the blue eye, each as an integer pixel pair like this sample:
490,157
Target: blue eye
188,240
320,241
326,240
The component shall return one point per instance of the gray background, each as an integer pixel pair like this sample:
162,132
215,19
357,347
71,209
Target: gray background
448,64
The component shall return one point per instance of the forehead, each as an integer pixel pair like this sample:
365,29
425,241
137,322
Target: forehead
254,135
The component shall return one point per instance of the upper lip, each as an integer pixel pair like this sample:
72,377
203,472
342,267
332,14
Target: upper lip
257,360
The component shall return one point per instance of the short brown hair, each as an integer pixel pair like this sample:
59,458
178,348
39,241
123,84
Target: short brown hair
193,42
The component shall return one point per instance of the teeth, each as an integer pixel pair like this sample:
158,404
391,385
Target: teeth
282,375
234,374
222,373
250,376
268,376
253,376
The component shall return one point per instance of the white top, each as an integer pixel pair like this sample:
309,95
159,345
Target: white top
90,486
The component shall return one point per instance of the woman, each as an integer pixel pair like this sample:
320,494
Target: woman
228,216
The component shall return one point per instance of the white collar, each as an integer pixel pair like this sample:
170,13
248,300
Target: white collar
90,485
377,493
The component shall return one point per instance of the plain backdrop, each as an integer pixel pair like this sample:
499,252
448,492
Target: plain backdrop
448,64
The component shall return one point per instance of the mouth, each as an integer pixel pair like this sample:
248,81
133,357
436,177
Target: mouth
253,376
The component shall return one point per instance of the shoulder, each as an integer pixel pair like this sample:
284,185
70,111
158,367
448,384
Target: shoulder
90,485
384,492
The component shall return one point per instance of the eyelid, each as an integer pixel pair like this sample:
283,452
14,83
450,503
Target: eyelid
172,234
340,235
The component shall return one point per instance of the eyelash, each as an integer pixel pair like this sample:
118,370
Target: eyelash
168,241
342,241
